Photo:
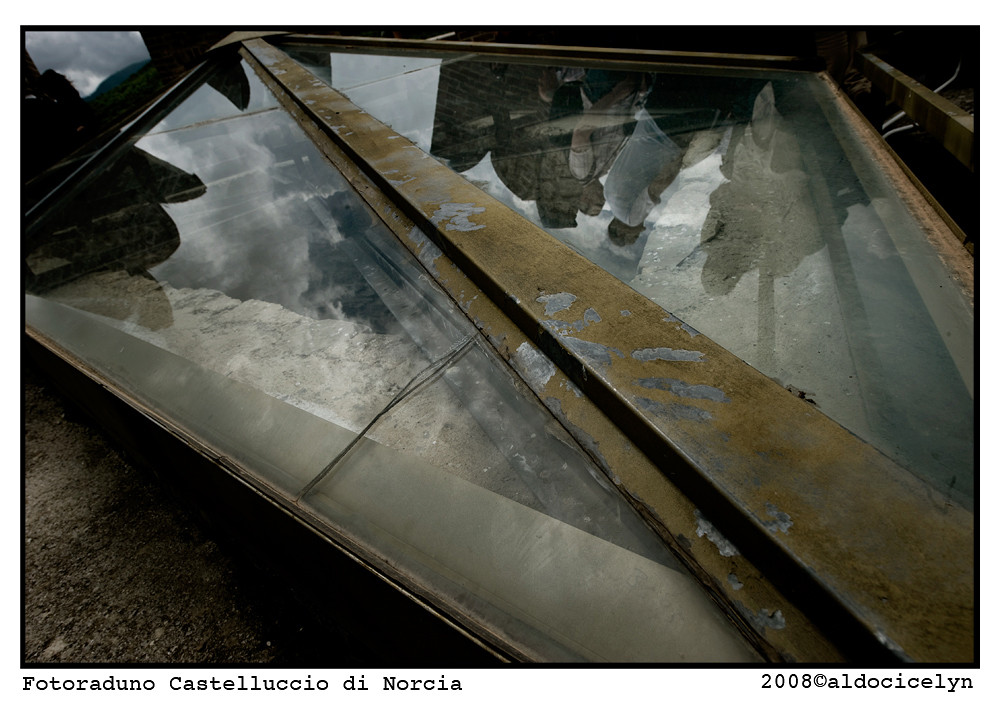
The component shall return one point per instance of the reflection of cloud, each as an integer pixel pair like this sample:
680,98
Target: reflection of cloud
228,236
272,224
85,58
326,300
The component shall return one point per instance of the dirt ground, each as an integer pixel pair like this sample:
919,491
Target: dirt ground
116,571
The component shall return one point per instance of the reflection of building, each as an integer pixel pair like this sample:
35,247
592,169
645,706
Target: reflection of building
57,122
119,231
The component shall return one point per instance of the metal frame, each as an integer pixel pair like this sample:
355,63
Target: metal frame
876,566
562,54
954,128
951,126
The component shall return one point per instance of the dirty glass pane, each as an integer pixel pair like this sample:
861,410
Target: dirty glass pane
743,204
224,274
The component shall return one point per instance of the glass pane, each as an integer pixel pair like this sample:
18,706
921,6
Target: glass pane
566,594
743,204
223,273
399,90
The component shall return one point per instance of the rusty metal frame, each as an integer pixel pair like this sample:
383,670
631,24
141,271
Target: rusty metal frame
877,561
953,127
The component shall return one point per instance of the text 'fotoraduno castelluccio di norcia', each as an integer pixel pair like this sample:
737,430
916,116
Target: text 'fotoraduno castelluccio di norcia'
238,683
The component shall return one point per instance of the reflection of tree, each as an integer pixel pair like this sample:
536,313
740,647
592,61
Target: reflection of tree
560,196
117,223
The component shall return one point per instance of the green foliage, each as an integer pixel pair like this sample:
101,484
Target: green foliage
127,98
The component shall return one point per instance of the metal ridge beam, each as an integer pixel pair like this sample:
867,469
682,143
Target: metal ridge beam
563,53
239,37
880,559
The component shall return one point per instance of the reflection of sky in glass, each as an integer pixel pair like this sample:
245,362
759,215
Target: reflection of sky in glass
279,234
216,249
351,71
400,91
269,226
86,57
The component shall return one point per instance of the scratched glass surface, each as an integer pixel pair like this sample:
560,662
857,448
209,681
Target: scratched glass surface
227,266
744,205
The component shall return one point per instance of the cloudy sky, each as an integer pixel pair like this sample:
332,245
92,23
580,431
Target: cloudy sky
85,58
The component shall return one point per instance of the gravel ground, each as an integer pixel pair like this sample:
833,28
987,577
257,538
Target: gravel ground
117,571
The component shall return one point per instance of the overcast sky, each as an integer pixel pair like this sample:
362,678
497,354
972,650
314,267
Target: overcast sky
85,58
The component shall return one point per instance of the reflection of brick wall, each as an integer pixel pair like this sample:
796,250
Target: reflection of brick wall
479,103
175,51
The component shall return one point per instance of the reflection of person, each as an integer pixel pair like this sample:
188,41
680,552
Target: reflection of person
599,106
636,129
682,121
762,217
645,166
838,48
610,101
530,115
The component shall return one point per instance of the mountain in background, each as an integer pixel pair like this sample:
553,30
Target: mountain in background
117,78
